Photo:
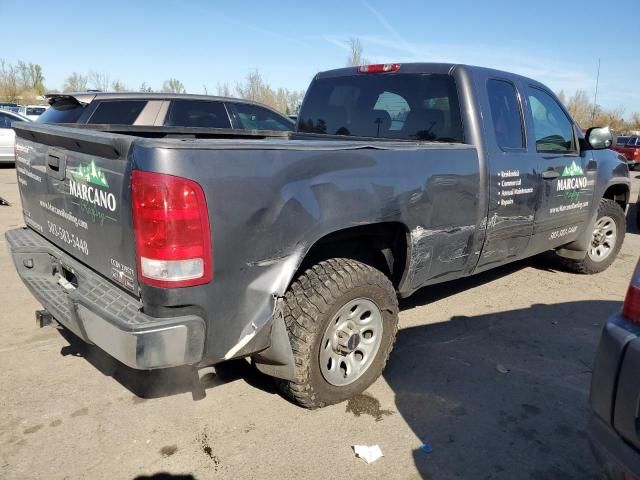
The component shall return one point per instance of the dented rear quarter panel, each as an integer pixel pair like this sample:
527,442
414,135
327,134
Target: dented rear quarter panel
270,201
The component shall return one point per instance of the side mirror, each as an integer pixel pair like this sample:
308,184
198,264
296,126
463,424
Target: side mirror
599,138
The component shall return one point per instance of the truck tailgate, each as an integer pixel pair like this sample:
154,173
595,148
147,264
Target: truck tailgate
75,189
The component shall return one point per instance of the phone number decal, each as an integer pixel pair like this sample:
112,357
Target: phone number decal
68,238
563,232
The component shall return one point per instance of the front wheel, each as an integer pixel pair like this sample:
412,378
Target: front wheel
606,239
342,319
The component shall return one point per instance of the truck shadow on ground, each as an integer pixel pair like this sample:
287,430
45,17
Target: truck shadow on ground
504,392
167,381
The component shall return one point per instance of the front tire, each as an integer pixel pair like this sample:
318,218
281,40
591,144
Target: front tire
342,319
606,239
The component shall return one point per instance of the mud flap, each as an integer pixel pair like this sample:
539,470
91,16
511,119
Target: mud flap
277,360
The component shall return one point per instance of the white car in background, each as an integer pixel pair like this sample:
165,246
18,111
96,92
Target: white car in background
7,135
32,112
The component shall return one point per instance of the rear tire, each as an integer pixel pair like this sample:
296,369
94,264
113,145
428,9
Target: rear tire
342,319
606,240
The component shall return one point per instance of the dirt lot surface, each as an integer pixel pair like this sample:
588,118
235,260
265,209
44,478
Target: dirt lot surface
493,372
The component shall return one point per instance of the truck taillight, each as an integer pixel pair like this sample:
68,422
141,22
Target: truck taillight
631,307
171,225
379,68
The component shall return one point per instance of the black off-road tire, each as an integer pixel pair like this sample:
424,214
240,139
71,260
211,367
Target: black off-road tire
588,266
310,304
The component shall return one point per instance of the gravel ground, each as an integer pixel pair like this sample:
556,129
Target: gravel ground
492,371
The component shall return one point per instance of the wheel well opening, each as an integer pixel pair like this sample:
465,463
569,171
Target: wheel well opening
381,245
618,193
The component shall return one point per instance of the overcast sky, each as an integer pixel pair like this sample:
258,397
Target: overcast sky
207,43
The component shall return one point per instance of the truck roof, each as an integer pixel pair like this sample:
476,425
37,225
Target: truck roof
426,67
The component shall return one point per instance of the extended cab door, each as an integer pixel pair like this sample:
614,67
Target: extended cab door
513,174
567,176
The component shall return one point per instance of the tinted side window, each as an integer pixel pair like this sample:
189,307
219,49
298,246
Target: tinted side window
253,117
553,129
197,113
506,114
120,112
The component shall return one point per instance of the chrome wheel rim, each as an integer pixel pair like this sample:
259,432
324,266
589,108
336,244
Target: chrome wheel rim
603,239
351,342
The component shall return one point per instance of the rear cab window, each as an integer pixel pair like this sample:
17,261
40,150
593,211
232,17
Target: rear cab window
398,106
197,113
117,112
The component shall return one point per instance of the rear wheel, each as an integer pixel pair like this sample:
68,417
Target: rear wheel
342,318
606,240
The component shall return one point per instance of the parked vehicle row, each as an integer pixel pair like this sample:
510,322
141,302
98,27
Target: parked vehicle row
165,249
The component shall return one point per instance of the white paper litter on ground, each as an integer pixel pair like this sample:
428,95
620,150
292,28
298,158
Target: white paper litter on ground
368,454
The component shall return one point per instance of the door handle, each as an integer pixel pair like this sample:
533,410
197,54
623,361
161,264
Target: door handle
550,174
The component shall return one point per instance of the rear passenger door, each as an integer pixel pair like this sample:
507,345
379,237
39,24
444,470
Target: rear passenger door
567,176
513,177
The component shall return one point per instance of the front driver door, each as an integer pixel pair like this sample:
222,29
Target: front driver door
567,175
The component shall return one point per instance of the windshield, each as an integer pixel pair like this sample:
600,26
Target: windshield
410,107
62,111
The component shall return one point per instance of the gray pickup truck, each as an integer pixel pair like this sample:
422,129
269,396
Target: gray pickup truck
166,247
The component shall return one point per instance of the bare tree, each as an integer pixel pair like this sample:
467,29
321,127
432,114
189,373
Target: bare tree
30,77
173,85
75,83
223,90
355,53
118,86
145,88
99,80
562,97
257,89
9,83
580,108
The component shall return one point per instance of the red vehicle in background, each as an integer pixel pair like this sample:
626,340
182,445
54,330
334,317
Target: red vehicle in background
630,148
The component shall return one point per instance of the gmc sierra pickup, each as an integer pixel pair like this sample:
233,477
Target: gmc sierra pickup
168,247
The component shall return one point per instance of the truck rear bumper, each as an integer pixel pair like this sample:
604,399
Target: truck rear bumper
101,313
